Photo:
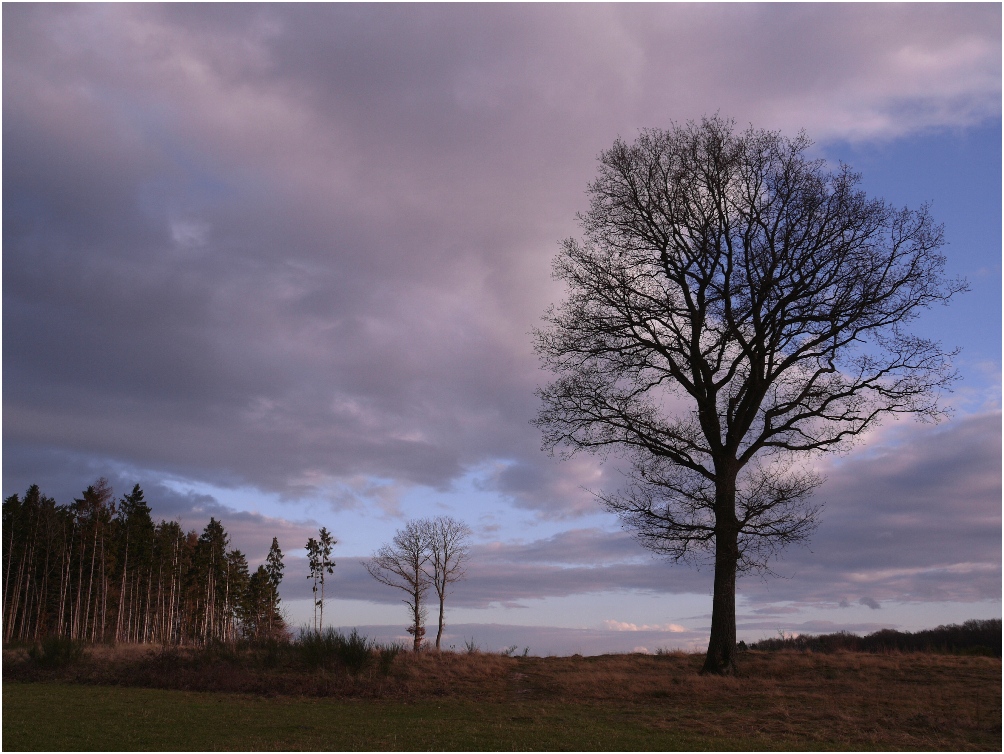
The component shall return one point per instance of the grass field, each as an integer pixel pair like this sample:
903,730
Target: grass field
782,700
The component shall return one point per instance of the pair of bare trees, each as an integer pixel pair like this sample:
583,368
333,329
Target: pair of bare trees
426,552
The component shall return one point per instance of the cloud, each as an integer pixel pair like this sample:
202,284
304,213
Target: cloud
915,518
298,250
614,625
544,640
296,247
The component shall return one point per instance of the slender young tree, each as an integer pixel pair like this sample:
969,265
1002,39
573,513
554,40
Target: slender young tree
314,564
449,548
402,565
734,308
325,564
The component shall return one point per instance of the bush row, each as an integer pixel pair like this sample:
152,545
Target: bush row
327,649
982,637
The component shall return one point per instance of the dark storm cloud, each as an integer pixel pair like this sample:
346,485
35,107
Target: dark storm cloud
286,246
66,475
913,520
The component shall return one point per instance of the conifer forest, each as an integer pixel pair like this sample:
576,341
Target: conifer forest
101,570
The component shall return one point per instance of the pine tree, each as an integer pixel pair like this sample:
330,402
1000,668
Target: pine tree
274,568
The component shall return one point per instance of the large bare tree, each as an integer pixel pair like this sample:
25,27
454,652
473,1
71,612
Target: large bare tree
734,308
402,565
449,547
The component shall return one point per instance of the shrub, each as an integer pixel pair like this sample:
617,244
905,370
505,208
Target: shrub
327,648
354,651
387,655
318,649
216,651
271,650
56,652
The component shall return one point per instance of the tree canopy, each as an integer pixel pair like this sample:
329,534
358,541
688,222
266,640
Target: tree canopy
733,308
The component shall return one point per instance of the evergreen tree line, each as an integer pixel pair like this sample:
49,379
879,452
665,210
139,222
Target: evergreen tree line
101,570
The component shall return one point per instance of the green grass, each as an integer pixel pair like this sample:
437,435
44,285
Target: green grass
129,698
60,717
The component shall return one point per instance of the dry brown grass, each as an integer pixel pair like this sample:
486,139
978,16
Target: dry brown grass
782,699
843,700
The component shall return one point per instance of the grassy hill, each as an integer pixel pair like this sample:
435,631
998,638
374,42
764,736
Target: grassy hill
142,698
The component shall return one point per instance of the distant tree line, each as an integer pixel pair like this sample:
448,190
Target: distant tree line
100,570
973,636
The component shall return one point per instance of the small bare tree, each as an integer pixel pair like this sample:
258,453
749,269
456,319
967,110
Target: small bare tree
449,547
402,565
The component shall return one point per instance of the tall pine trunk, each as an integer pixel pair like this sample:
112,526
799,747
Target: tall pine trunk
88,610
11,612
75,623
10,560
104,589
64,585
122,591
174,575
43,594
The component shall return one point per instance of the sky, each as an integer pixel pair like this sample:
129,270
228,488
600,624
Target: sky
279,264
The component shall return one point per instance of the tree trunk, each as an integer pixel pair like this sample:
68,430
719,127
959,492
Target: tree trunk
10,559
122,591
175,576
149,592
439,633
104,589
15,598
90,585
416,620
160,602
64,585
44,594
720,659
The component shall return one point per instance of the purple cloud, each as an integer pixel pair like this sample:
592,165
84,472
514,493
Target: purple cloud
299,249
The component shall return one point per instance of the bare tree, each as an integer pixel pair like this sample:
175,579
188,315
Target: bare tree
402,565
449,547
734,308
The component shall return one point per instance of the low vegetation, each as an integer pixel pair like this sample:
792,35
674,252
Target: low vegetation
315,694
982,637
